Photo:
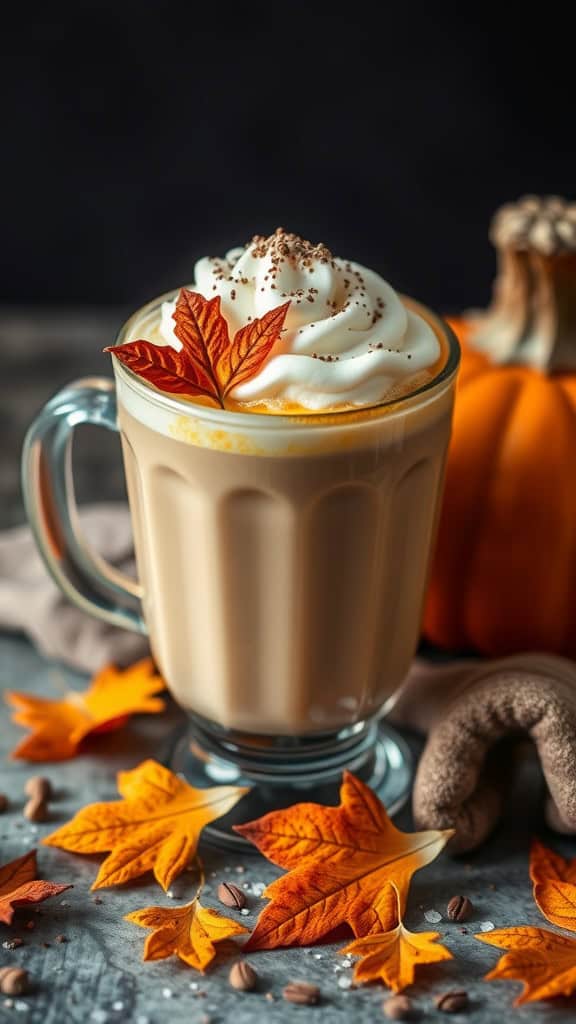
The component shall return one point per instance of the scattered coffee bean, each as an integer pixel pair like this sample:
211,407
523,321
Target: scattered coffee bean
453,1001
3,803
243,976
13,981
39,790
302,993
231,896
39,785
459,908
399,1008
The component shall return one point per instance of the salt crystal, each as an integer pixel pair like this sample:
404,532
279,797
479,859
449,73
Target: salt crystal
246,885
8,1003
345,982
64,903
432,916
486,926
240,869
142,1020
170,894
318,956
228,869
244,911
258,888
338,968
118,1005
21,1006
99,1016
167,993
194,986
347,962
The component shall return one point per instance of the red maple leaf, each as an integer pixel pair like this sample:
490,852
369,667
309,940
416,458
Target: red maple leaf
208,365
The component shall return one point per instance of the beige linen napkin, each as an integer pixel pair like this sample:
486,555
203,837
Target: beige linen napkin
30,602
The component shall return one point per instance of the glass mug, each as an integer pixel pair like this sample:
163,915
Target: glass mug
282,565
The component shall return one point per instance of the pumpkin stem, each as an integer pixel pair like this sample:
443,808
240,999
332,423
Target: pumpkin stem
532,317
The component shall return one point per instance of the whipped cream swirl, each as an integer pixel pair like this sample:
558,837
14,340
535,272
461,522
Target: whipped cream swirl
348,338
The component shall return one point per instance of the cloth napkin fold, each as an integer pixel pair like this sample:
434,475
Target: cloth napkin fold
30,602
466,708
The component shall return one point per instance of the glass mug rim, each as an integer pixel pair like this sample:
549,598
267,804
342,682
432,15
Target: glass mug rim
333,418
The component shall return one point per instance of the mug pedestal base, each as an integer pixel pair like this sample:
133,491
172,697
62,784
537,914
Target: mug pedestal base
281,771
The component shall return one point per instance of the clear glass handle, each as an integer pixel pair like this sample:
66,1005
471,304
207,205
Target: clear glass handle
86,579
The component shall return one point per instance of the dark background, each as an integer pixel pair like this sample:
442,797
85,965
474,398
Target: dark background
138,137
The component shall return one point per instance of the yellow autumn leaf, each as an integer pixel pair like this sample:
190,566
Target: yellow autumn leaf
392,956
59,726
156,827
188,932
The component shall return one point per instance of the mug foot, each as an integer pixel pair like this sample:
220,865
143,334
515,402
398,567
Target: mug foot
283,771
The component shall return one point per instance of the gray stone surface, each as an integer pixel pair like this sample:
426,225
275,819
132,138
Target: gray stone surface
100,967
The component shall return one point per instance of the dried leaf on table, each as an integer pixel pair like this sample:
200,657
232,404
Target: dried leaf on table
189,932
543,960
208,364
59,726
554,885
19,886
155,827
339,861
392,956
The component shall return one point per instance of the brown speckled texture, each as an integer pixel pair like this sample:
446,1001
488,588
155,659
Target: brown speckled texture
476,714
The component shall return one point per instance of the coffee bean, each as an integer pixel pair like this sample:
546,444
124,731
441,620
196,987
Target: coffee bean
301,992
399,1008
459,908
243,976
13,981
231,896
453,1001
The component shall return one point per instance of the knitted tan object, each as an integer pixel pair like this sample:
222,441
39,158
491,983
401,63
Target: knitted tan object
468,708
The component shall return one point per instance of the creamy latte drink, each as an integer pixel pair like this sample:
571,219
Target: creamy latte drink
283,531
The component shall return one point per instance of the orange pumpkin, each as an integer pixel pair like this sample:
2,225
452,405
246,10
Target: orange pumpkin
504,575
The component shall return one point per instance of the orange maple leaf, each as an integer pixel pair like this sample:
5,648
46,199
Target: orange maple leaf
339,861
188,932
554,881
543,960
156,827
394,955
209,364
20,887
59,726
